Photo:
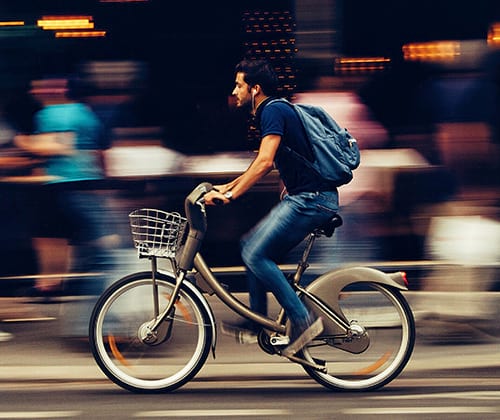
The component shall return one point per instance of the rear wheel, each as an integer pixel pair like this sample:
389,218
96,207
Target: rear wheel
381,312
119,320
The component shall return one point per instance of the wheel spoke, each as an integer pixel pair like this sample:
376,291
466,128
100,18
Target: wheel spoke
174,354
116,353
374,366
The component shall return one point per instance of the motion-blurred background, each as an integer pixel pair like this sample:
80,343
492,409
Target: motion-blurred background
418,84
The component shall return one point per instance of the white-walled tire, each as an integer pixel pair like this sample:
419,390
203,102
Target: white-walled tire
387,318
125,358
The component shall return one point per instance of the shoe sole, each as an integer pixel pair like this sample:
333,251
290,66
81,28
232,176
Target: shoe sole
305,338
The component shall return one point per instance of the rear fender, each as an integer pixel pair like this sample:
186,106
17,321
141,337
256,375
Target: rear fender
327,289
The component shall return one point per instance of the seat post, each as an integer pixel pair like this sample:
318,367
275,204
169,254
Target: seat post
326,230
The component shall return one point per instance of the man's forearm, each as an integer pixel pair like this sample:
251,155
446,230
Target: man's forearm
256,171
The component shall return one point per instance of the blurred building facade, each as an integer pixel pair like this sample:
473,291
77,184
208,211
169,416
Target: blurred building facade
421,79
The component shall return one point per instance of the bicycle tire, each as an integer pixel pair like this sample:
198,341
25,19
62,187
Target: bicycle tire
388,320
125,358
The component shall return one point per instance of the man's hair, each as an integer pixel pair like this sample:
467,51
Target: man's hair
259,72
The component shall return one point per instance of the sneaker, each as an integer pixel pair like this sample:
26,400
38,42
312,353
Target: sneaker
245,332
5,336
304,337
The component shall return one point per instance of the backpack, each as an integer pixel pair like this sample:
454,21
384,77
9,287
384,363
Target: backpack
336,152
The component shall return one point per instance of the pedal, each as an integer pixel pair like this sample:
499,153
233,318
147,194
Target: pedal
279,340
320,362
319,365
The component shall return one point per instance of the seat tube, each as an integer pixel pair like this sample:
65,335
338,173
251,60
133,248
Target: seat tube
281,316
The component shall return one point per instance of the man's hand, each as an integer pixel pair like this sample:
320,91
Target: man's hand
215,198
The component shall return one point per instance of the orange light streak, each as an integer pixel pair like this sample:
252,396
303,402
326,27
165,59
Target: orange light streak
494,34
81,34
65,22
12,23
361,64
432,51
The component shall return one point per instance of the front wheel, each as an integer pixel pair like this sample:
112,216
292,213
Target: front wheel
117,324
383,314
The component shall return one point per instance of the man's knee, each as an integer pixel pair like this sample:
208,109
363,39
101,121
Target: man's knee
249,254
247,257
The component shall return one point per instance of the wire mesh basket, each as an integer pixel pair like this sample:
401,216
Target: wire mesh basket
157,233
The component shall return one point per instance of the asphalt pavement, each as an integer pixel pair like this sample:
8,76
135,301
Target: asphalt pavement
446,344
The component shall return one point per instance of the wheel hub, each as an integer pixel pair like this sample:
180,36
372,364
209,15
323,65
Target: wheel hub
154,337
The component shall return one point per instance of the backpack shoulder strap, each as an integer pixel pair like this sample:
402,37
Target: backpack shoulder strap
296,155
283,100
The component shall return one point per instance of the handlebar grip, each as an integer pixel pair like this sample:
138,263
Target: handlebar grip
198,193
197,220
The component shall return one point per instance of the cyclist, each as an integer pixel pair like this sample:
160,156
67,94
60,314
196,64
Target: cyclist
308,201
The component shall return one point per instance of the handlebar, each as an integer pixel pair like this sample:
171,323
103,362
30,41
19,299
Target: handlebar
194,203
194,208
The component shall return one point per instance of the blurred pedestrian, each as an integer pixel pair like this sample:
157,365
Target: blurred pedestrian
16,256
68,137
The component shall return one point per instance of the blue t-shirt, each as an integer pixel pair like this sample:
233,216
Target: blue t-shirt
80,120
281,119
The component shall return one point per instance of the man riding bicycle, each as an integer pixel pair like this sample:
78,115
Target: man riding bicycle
308,202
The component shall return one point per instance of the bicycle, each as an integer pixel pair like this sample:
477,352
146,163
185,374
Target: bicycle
152,331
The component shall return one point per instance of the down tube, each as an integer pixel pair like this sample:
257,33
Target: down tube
233,303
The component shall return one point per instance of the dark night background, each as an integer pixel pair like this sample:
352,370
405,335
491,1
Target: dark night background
191,48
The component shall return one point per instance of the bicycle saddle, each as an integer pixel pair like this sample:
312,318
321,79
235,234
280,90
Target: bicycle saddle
329,227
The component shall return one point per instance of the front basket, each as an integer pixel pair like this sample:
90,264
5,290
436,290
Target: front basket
157,233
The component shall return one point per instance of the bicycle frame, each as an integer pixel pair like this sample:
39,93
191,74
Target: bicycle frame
337,326
208,282
385,345
230,300
274,325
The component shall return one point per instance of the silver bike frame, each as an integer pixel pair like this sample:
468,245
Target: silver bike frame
231,301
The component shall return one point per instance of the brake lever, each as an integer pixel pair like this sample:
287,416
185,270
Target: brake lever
216,201
201,203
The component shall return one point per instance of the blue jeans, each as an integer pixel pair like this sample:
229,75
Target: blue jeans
89,219
90,223
286,225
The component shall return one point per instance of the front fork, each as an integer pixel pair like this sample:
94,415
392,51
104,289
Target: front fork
158,329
